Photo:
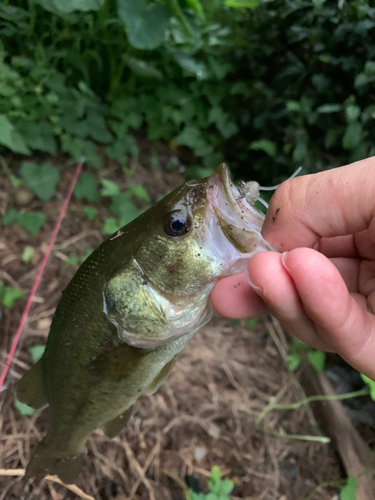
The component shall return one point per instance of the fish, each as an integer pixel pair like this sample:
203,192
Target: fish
130,308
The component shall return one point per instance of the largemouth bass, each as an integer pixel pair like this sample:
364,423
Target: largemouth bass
134,304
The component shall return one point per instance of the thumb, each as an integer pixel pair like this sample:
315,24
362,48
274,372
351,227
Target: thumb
336,202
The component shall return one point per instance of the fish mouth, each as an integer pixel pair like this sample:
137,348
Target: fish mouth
230,206
229,190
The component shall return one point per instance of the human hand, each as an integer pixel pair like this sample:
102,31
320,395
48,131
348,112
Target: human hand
322,286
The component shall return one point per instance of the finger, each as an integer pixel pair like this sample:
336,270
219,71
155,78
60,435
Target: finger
275,285
340,320
233,297
336,202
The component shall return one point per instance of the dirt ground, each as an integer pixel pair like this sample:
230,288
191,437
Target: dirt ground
204,415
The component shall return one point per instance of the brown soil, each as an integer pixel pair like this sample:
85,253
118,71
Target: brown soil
204,415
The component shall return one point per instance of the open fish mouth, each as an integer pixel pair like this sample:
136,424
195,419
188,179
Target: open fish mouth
230,206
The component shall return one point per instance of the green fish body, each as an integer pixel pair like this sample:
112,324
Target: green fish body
132,306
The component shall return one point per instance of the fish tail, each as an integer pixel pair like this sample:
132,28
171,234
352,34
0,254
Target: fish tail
48,459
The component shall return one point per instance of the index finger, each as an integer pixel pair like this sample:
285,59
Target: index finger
336,202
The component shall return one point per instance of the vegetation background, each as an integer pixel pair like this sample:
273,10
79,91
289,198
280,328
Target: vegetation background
178,86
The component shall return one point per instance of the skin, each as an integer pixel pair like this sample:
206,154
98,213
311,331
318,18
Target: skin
321,286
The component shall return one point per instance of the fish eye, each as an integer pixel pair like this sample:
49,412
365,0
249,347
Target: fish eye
177,224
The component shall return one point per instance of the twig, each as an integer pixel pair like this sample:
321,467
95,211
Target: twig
55,479
293,406
39,275
138,469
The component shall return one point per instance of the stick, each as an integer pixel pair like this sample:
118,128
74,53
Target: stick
55,479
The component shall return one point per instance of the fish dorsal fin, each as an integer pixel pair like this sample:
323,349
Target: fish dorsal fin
115,426
160,378
30,389
117,362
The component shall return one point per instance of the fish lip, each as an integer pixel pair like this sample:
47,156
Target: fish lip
230,191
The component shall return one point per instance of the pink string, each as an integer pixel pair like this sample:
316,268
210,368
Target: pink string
39,275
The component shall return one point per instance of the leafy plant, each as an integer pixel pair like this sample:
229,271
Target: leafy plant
42,179
31,221
348,492
87,188
27,253
297,350
219,489
23,408
111,225
90,212
36,352
9,295
371,385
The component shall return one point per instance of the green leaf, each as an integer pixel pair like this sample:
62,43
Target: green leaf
317,360
129,10
10,138
42,179
226,487
348,492
23,409
27,253
370,68
243,4
9,295
10,217
111,226
121,148
250,323
31,221
124,208
142,68
371,385
269,147
87,188
293,105
219,68
97,128
38,136
145,25
110,188
140,192
352,113
90,212
197,6
36,352
352,136
79,148
68,6
215,474
293,361
193,138
329,108
191,65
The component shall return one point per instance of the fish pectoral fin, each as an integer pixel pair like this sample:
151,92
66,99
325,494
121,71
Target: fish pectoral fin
160,378
30,389
118,362
115,426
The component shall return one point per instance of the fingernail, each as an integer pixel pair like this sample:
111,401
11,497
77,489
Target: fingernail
283,259
256,288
